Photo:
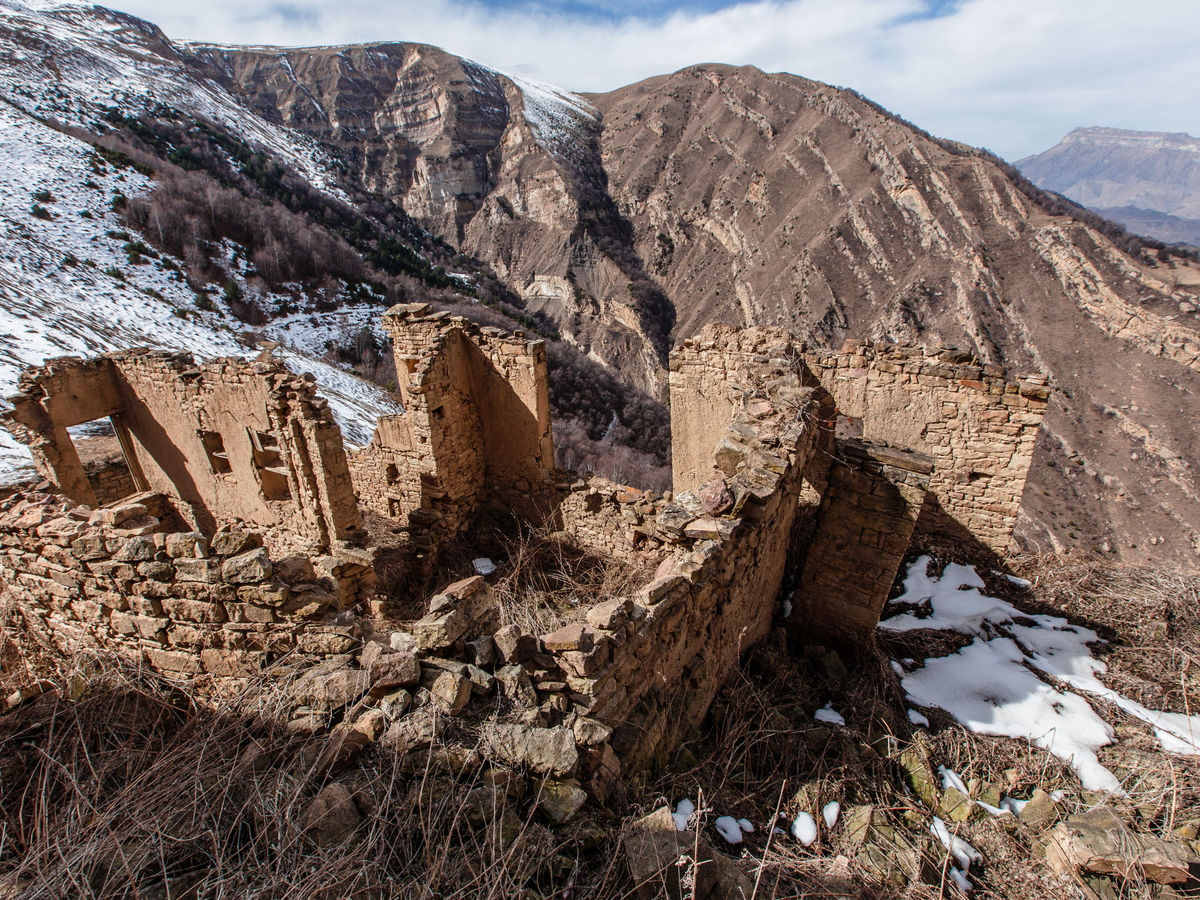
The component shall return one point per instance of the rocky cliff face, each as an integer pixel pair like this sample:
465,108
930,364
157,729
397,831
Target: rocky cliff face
503,169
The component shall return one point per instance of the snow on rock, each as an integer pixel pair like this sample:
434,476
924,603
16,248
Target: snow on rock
728,828
950,779
804,829
683,811
73,61
1006,682
483,566
560,120
828,714
830,813
964,854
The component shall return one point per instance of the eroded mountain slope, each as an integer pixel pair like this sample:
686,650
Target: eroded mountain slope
716,193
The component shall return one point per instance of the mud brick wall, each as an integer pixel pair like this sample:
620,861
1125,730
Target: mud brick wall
216,611
867,517
979,426
229,440
476,415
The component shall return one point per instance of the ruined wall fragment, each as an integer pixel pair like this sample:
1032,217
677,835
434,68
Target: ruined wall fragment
228,440
979,426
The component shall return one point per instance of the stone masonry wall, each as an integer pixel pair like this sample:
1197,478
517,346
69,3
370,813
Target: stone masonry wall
118,579
979,427
476,415
650,665
870,509
230,441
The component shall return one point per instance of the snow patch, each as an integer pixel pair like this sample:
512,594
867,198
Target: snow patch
1006,682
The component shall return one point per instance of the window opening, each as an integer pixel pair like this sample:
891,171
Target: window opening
268,462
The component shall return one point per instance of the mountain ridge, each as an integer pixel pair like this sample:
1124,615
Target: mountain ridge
727,194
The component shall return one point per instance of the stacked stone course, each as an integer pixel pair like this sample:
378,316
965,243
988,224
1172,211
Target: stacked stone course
979,426
119,579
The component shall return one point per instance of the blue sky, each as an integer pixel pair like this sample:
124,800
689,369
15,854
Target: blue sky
1011,75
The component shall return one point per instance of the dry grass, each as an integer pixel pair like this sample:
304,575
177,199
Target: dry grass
543,579
131,789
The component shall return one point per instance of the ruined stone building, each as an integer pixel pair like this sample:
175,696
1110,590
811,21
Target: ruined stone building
240,551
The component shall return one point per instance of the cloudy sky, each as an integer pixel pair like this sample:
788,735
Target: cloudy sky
1010,75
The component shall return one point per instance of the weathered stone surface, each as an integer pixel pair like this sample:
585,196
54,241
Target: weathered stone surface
201,570
715,497
1097,841
546,751
332,815
137,549
389,671
190,544
517,686
439,631
559,801
575,636
515,646
234,542
248,568
451,691
609,614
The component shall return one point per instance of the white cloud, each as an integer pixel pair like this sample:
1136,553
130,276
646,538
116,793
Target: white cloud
1013,75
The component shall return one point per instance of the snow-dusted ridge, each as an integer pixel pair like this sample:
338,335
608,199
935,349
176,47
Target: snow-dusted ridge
67,287
70,62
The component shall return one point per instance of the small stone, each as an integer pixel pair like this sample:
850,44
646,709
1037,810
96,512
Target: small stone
234,542
332,816
451,691
190,544
137,549
516,686
715,497
482,651
546,751
561,800
590,732
438,631
1040,811
514,646
575,636
247,568
395,704
610,614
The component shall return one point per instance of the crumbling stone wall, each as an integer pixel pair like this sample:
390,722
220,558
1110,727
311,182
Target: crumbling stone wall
871,506
979,426
172,576
476,415
122,579
228,441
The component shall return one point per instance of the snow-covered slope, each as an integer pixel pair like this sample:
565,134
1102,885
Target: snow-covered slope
72,62
67,286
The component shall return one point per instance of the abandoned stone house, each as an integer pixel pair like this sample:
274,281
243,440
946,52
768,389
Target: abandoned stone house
239,547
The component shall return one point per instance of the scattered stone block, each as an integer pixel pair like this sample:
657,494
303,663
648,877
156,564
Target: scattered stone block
1097,841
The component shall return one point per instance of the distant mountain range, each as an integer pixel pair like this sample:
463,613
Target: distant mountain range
1148,181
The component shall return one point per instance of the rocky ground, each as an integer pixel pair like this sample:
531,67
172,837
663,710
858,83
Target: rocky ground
116,785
